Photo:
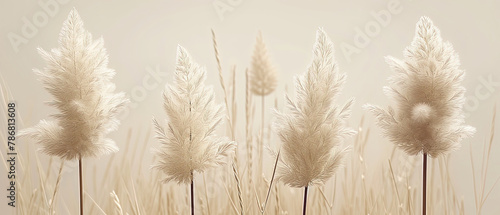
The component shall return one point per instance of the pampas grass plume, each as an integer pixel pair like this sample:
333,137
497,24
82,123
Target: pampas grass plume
313,132
188,142
263,76
427,116
79,80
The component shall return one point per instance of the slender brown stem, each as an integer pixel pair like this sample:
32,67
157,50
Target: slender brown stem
424,184
192,194
192,176
305,201
80,175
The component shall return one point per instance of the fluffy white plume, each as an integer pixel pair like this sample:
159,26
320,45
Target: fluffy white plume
314,130
78,78
188,142
263,76
427,90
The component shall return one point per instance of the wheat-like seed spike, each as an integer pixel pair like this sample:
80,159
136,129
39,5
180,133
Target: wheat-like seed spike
116,202
222,83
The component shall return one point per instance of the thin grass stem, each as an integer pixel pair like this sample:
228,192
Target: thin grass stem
192,194
424,184
80,176
305,201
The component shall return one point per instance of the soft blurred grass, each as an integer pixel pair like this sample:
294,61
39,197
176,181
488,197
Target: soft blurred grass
126,184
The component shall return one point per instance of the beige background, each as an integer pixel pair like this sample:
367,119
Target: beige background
142,36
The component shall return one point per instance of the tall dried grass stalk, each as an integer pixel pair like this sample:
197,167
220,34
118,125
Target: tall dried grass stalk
263,209
479,189
429,98
237,178
54,196
231,109
222,83
188,143
312,134
248,129
263,81
78,78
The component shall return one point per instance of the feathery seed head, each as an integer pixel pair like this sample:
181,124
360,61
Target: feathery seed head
263,76
429,97
78,78
188,142
313,132
421,112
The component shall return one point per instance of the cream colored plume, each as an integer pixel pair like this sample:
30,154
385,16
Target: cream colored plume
313,132
79,80
263,76
188,142
426,89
